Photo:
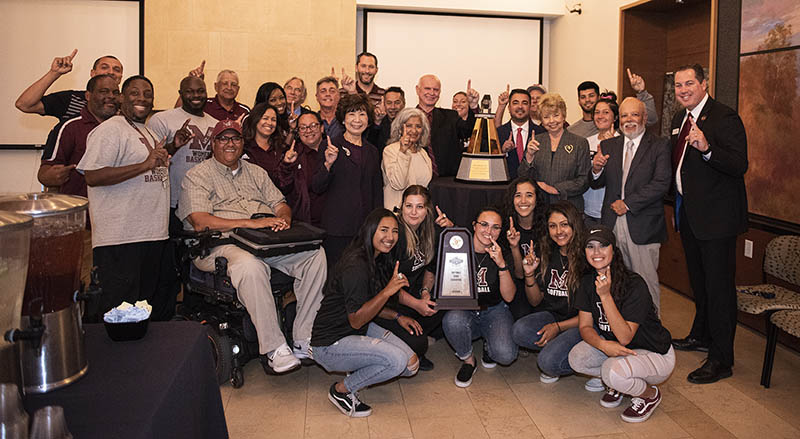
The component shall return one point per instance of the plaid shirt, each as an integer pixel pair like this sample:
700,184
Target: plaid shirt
213,188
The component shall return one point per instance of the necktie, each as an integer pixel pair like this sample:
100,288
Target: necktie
520,147
626,163
680,147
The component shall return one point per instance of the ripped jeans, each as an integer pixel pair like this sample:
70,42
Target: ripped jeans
373,358
628,374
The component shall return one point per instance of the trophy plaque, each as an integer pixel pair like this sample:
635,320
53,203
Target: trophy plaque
455,271
484,161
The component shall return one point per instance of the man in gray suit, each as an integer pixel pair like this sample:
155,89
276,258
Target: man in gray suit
635,170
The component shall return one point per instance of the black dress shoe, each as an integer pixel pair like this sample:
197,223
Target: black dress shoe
689,344
710,372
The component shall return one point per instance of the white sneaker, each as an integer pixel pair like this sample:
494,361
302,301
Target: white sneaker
282,360
300,349
547,379
594,385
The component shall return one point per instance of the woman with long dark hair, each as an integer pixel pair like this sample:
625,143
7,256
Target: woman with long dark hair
495,287
606,119
344,337
263,140
624,341
417,254
552,328
525,227
273,94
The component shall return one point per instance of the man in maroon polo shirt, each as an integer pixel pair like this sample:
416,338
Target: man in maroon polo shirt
224,105
101,97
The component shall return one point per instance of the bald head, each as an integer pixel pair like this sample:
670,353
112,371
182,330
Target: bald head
632,115
428,89
193,95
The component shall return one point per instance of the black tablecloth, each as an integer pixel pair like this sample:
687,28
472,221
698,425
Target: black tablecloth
460,201
162,386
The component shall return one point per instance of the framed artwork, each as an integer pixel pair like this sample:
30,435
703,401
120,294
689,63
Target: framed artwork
769,105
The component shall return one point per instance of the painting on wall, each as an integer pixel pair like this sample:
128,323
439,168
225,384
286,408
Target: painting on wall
769,104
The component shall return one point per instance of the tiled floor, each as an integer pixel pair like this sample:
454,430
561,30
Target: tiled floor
510,402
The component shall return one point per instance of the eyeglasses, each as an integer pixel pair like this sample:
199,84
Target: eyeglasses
229,139
484,224
306,128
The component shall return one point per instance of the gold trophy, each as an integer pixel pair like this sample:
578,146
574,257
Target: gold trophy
484,161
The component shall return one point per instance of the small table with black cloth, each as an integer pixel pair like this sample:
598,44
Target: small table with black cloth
461,201
162,386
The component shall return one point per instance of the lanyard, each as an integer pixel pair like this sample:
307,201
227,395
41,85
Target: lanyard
146,142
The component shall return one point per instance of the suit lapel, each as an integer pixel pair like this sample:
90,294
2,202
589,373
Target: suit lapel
641,151
704,112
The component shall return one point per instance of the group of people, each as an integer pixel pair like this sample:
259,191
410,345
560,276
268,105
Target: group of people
566,266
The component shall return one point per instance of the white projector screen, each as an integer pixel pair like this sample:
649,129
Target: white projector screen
491,51
36,31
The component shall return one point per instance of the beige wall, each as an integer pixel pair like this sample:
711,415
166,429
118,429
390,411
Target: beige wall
585,47
262,40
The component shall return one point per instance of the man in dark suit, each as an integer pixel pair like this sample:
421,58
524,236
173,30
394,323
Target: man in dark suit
709,161
635,170
446,126
516,133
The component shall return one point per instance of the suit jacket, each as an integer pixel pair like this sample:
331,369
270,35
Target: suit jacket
446,131
351,190
714,196
567,170
649,179
511,157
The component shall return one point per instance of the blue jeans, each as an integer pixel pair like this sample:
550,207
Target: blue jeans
493,324
553,358
373,358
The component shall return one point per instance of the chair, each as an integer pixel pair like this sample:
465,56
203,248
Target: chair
210,299
789,322
781,261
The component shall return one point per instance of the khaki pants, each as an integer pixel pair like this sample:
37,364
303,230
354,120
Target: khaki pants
250,276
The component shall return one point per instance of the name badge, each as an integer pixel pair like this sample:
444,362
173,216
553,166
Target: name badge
676,131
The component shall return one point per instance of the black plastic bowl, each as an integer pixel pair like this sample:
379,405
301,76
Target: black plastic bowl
127,331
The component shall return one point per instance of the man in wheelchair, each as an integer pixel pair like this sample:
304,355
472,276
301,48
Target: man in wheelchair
224,193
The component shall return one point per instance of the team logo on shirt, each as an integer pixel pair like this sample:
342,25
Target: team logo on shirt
558,283
199,145
419,260
602,321
526,248
483,285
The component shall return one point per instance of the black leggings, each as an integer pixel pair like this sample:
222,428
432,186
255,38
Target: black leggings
417,343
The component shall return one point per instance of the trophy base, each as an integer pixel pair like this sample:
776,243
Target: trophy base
483,168
466,303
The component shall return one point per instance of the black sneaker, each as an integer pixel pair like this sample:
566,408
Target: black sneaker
464,375
425,364
348,403
486,360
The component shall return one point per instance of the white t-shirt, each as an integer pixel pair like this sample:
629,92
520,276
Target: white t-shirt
137,209
164,125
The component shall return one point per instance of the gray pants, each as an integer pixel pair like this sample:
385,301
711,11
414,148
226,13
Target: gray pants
629,374
250,276
641,258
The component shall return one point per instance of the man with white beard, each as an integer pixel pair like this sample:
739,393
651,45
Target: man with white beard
635,170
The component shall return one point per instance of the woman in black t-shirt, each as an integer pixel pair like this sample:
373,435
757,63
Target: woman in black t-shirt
343,337
525,227
495,287
552,328
623,339
417,262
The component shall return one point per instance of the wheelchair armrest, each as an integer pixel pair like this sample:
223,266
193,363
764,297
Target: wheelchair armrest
199,244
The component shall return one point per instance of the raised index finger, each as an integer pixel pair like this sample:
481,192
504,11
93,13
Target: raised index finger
508,88
469,84
202,65
510,223
72,55
438,211
185,124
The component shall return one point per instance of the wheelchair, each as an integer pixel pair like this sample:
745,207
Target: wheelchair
210,298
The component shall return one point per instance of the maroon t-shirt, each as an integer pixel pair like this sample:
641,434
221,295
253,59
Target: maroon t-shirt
269,160
69,148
